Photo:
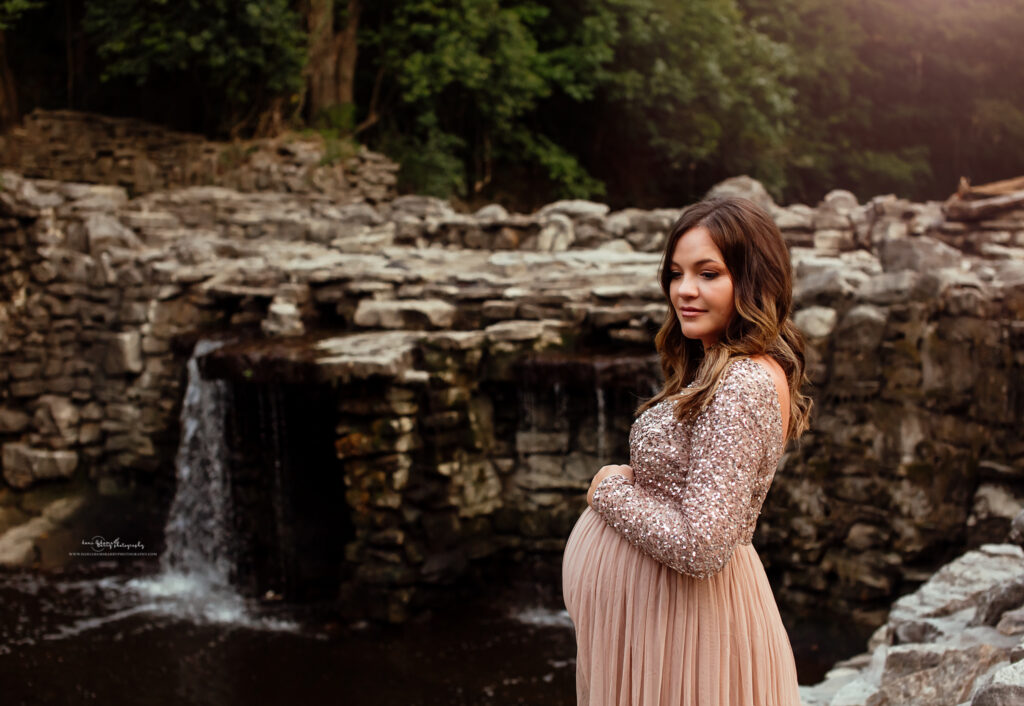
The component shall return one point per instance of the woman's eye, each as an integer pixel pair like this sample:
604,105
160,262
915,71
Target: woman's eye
708,275
673,275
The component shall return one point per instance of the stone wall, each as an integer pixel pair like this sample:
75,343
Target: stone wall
141,157
485,366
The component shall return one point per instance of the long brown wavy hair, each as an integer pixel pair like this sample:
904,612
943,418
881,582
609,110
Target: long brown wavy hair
762,276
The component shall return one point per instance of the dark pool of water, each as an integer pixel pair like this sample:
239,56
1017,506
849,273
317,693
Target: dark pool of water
83,636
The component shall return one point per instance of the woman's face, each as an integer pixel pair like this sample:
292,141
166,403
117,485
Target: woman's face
700,287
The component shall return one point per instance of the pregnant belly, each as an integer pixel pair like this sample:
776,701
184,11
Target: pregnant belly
592,556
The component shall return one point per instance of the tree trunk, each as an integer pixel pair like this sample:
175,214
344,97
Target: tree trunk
332,55
8,93
348,51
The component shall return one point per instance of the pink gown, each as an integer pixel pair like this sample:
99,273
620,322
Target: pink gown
669,600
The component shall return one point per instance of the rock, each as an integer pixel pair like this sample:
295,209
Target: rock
18,545
537,442
61,510
418,207
743,187
927,653
573,209
815,321
1004,596
933,675
861,329
358,213
104,232
828,285
13,421
491,212
23,465
993,511
832,240
11,517
840,201
1005,689
124,354
283,320
920,254
889,287
1011,622
404,314
794,218
557,233
57,416
1017,528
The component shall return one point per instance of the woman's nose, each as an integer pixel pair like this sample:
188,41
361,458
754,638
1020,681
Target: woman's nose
686,287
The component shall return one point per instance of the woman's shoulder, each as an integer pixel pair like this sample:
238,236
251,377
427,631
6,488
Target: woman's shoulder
748,379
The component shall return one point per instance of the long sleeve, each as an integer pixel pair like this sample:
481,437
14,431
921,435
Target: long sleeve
695,529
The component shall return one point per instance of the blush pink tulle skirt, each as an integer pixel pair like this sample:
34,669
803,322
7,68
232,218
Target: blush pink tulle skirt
647,635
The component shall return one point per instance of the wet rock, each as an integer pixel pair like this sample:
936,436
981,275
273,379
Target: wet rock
18,545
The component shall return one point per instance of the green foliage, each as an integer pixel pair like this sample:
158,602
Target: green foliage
431,162
337,148
469,76
897,96
679,87
11,10
700,89
246,51
338,119
640,102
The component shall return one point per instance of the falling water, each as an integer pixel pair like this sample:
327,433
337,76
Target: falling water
195,577
198,538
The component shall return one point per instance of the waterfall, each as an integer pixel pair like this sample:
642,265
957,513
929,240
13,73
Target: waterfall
194,582
198,536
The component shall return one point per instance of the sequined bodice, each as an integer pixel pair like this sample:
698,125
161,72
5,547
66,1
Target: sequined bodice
699,485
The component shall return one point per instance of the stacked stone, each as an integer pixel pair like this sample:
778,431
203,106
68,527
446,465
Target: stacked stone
71,146
914,351
91,384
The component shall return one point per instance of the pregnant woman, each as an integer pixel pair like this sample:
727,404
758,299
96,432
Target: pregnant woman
669,599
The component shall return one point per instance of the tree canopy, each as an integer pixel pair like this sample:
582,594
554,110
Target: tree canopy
637,102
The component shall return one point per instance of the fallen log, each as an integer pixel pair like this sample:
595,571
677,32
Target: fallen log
959,209
985,191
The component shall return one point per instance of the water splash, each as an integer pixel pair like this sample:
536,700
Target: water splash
195,578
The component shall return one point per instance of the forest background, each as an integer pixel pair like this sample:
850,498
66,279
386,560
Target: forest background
633,102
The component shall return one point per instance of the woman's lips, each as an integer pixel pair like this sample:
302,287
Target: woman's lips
691,312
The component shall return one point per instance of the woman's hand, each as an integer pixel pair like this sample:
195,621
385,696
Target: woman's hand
604,473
